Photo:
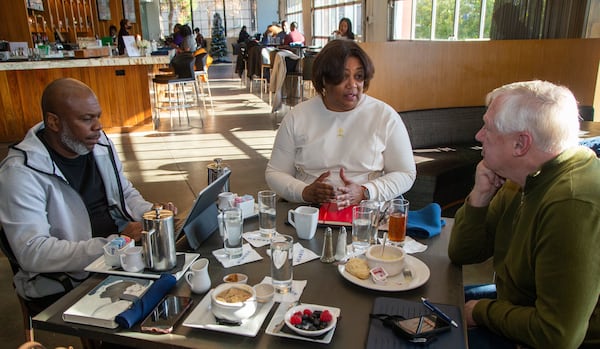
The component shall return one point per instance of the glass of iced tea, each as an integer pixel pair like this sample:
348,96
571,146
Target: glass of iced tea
398,214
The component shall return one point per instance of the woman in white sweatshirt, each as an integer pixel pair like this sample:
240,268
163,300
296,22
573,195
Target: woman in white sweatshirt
341,145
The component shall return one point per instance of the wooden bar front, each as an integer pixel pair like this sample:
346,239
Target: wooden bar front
121,85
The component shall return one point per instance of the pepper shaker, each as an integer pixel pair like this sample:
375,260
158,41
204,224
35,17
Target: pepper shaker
327,255
340,251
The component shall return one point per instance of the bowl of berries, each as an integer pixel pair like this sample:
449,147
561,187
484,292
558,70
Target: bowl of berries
310,320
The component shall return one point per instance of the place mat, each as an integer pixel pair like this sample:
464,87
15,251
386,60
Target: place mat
301,254
383,337
248,255
292,296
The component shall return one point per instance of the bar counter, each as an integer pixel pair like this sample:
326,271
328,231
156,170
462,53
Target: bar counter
121,84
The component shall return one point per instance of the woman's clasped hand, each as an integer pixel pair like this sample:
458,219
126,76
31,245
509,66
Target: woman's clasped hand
323,189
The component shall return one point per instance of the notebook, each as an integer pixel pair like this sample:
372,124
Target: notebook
330,215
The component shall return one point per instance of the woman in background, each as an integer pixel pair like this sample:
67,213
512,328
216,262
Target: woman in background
341,145
344,30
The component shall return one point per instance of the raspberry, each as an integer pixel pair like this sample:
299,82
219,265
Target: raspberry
307,312
296,320
299,313
326,316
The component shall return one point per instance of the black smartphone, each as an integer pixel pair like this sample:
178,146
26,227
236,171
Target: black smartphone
166,314
421,326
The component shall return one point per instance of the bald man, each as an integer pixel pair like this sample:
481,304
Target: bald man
63,194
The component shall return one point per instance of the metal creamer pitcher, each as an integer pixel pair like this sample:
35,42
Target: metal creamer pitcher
158,240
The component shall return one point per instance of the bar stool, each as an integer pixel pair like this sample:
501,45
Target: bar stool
201,73
183,67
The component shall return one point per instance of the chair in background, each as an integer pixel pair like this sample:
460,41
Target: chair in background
201,64
239,51
184,69
307,66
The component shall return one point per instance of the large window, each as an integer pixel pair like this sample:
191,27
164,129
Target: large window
199,13
326,16
440,19
294,14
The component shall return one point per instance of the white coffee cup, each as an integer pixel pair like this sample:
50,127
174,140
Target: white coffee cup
226,200
197,277
304,219
132,260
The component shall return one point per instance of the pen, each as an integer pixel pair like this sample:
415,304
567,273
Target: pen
438,311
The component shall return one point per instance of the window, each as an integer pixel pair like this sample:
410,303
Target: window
326,17
294,14
199,13
440,19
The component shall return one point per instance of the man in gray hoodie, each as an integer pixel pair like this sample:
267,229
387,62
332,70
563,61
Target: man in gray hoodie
63,192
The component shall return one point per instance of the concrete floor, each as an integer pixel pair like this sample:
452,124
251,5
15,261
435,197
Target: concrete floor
170,164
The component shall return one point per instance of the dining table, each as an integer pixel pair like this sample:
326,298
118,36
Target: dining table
325,286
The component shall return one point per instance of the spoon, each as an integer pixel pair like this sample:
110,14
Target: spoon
385,236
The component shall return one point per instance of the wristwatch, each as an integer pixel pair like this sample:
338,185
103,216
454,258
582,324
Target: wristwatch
366,193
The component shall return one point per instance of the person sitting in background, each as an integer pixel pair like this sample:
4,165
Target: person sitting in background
294,36
534,208
123,31
341,145
344,30
281,35
200,41
64,194
244,36
188,41
112,32
176,37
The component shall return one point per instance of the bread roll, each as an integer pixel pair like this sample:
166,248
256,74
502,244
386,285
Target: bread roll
358,267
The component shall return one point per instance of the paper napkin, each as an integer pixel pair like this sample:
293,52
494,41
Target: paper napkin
301,254
410,245
292,296
248,255
256,239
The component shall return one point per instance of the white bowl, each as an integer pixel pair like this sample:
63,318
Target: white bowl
236,278
237,311
392,260
264,292
313,308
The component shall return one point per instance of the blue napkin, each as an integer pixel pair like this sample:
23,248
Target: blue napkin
426,222
144,305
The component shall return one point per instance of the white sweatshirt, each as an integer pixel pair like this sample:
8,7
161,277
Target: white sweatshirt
370,142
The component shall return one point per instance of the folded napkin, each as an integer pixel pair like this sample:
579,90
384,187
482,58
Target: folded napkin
256,239
426,222
292,296
301,254
144,305
248,255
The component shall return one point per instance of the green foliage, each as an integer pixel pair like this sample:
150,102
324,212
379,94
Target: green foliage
468,19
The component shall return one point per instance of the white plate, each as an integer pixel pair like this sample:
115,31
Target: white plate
202,317
98,266
419,270
280,315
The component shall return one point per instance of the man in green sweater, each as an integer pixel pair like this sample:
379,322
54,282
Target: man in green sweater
534,208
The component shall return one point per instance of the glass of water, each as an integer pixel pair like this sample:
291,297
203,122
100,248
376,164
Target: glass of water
282,254
233,223
362,220
267,212
375,206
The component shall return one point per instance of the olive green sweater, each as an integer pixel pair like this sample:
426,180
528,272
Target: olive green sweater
545,243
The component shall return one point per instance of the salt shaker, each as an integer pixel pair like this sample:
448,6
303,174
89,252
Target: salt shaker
327,255
340,251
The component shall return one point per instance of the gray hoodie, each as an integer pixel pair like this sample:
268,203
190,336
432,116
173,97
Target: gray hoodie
46,221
